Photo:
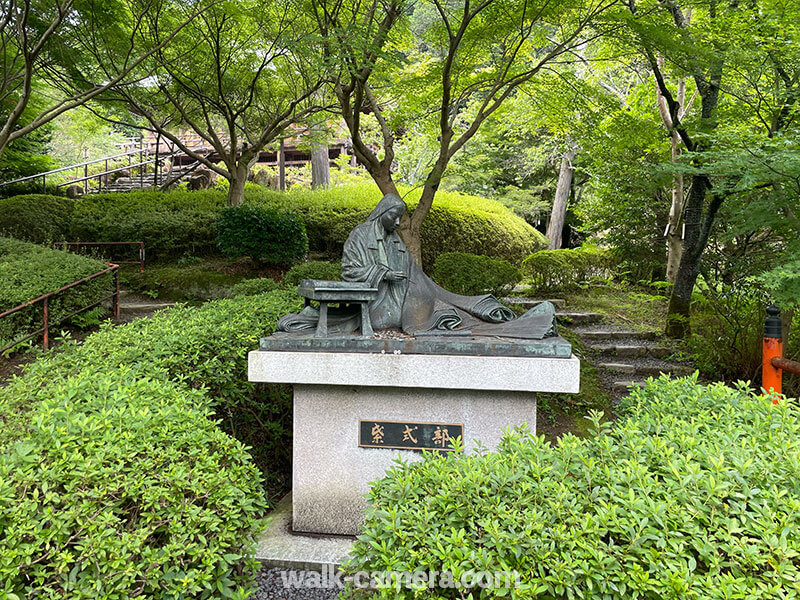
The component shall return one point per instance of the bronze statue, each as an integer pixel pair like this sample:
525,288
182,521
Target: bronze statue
406,298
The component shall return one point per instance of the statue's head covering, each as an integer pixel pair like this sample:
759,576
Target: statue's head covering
387,203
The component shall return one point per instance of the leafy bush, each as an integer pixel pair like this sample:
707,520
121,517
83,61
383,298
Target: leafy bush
470,274
456,222
36,217
727,332
695,493
251,287
169,224
312,269
561,269
264,234
115,480
29,271
178,222
124,486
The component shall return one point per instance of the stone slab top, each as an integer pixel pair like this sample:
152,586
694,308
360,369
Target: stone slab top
279,546
455,345
336,291
395,369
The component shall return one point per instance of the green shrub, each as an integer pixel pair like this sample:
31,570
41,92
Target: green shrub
264,234
562,269
251,287
169,224
727,332
115,479
470,274
28,271
125,486
456,222
312,269
178,222
36,217
694,493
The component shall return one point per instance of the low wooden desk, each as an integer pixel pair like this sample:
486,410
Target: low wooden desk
338,292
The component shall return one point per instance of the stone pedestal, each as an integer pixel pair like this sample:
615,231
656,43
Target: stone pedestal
335,391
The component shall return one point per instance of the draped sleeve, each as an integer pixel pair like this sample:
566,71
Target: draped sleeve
358,263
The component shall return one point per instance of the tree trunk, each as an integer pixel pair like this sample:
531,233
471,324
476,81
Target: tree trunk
236,190
674,237
674,229
281,167
555,228
786,322
694,243
320,167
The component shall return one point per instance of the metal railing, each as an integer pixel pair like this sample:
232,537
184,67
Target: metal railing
45,300
171,151
139,262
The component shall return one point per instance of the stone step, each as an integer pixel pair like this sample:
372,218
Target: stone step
533,302
647,369
144,306
632,350
622,387
579,318
610,336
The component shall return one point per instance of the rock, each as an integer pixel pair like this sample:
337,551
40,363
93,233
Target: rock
202,180
266,179
74,191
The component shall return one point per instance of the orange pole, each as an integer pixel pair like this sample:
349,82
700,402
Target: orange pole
771,376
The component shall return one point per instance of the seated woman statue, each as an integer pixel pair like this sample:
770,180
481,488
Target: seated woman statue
410,300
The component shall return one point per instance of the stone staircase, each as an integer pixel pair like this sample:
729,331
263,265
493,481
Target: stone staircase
624,357
628,357
128,184
134,306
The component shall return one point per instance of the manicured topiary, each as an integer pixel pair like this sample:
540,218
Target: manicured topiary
694,493
36,217
313,269
561,269
470,274
179,222
456,223
264,234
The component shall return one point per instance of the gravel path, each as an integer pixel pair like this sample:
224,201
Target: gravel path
274,584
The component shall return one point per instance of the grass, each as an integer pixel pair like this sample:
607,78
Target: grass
633,307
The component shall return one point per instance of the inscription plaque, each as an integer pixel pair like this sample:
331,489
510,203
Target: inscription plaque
406,435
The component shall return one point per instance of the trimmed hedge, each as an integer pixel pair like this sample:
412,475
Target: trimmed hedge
695,493
115,480
36,218
28,270
470,274
178,222
264,234
456,222
563,269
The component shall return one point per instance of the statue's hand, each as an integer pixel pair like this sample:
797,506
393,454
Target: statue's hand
394,275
